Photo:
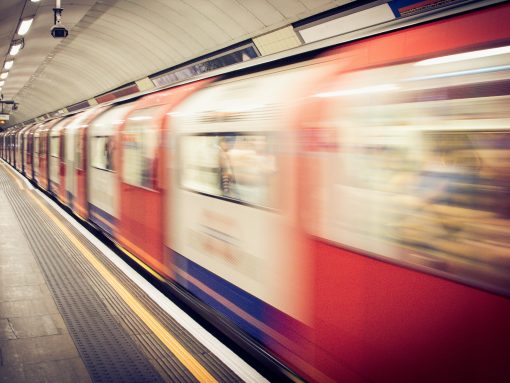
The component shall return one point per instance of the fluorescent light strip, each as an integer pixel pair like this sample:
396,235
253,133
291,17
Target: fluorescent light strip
8,64
4,75
139,118
15,49
25,26
2,83
368,89
465,56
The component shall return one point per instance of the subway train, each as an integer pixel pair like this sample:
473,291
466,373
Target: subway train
349,212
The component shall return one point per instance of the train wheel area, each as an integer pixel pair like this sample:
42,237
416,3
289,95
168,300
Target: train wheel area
71,311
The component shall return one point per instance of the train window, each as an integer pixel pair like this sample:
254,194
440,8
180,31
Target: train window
419,172
42,146
235,166
54,146
140,141
36,145
102,152
78,154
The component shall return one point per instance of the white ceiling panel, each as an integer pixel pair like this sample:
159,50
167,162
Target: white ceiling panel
114,42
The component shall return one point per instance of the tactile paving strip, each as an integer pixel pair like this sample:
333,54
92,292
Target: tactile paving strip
108,352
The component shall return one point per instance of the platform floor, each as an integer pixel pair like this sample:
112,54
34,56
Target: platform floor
70,313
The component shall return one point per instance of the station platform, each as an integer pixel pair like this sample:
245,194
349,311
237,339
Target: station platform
72,311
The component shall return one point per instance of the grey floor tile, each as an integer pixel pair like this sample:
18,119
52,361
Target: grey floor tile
6,330
29,327
62,371
28,308
12,374
17,293
40,349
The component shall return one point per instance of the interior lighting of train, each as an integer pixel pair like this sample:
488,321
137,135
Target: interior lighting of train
364,90
465,56
139,118
462,73
240,108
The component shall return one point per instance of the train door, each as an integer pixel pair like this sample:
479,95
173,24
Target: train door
23,148
7,145
11,147
80,206
143,182
44,154
25,152
19,149
53,162
36,156
56,158
61,195
71,153
29,153
141,189
102,172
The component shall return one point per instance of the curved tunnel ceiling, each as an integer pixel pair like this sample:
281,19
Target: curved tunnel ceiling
114,42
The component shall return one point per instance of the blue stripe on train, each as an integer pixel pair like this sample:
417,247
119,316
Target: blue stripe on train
70,199
280,322
245,301
94,210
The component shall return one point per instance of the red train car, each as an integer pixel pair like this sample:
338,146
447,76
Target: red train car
403,144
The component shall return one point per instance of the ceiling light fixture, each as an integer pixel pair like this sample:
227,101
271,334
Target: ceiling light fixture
15,49
4,75
25,26
2,83
16,46
8,64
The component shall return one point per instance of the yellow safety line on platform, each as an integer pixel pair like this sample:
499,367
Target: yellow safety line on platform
198,371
